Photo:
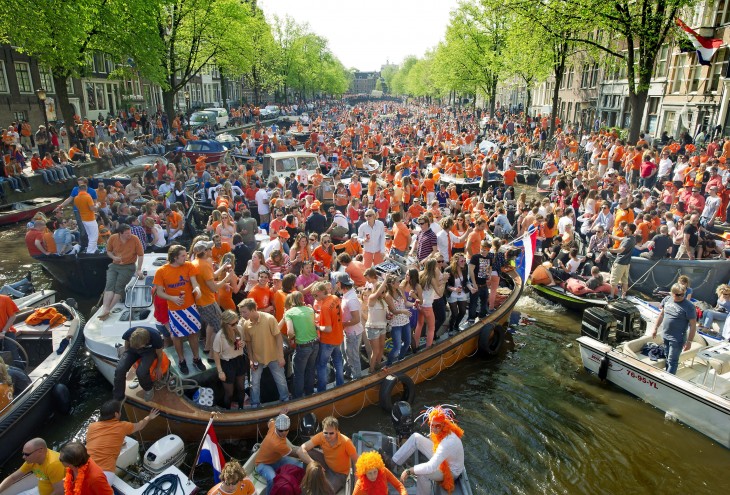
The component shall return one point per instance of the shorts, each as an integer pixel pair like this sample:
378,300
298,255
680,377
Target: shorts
117,277
184,322
233,368
620,275
211,315
374,333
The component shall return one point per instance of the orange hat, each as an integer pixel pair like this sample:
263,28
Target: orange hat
283,233
695,160
315,205
669,184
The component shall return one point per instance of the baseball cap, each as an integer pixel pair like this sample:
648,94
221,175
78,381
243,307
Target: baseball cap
282,422
203,246
276,276
344,279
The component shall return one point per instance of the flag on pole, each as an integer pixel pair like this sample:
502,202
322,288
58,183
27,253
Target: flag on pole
706,47
528,243
210,452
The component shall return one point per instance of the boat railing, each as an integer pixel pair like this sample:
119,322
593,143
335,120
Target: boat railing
25,391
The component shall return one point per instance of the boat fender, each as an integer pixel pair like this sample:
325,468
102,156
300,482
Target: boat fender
388,385
62,398
603,368
491,339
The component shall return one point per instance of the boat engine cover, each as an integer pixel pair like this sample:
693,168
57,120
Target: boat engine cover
402,417
129,455
165,452
599,324
630,324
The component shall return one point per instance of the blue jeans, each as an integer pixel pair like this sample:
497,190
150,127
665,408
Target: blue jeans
481,295
397,251
323,357
305,365
672,349
401,342
268,471
709,315
278,373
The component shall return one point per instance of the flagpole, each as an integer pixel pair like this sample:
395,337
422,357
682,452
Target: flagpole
200,447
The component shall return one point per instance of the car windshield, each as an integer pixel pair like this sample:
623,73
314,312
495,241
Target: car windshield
201,117
309,162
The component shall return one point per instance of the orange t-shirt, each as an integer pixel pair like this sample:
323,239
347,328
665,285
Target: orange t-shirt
262,295
205,273
104,439
338,456
225,295
218,252
474,241
176,279
85,204
330,314
322,256
401,236
273,448
7,309
509,177
278,299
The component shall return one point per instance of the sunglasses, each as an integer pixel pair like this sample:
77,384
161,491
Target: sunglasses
328,433
28,454
681,294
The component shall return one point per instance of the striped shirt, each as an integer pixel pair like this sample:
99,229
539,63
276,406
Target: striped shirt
425,243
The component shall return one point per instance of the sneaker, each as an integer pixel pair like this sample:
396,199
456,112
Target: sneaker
211,361
198,363
148,394
184,368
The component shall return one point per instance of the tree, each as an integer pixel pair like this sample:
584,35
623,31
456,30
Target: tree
260,56
630,30
63,36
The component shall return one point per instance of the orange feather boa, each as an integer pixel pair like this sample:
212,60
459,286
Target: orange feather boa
448,428
73,486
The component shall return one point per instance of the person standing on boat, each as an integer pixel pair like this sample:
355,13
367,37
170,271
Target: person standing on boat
44,464
176,282
372,235
210,311
104,438
275,451
86,206
677,313
622,264
70,200
266,349
444,451
126,252
338,453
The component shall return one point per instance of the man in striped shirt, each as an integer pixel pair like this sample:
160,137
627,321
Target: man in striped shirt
426,242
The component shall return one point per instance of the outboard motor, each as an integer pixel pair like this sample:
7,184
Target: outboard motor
402,417
308,425
599,324
165,452
630,325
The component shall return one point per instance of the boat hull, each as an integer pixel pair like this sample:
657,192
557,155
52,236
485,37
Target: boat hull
33,407
189,420
568,300
704,275
84,274
27,209
700,409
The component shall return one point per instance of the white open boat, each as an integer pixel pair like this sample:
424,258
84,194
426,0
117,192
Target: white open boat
137,310
36,299
698,395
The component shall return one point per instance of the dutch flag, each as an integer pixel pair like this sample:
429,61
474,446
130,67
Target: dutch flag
706,47
528,243
211,453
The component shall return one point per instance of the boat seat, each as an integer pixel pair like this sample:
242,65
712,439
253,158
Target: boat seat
722,384
633,349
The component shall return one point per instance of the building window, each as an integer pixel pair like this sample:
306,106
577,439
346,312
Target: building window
46,79
20,115
70,86
585,76
696,77
22,73
719,67
661,62
722,16
4,88
594,76
669,121
570,78
680,65
99,65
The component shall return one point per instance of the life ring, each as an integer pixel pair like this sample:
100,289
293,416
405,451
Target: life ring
388,385
491,339
61,398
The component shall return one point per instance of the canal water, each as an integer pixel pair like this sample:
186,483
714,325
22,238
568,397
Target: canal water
535,422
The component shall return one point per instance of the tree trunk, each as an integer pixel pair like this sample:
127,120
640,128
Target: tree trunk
528,104
65,107
637,101
168,103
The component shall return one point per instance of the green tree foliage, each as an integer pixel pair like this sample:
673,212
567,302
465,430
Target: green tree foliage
63,35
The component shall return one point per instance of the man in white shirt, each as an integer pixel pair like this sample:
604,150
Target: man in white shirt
665,167
446,239
449,449
262,201
351,322
566,219
372,236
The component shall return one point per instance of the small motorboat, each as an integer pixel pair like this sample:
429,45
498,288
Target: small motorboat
36,299
124,173
83,273
228,141
22,211
211,149
562,296
40,389
698,395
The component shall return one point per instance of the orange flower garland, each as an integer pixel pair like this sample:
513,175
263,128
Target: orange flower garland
73,486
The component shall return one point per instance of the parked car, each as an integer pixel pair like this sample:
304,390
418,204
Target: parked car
203,117
221,116
270,112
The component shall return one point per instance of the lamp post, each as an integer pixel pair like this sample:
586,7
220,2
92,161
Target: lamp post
187,102
41,93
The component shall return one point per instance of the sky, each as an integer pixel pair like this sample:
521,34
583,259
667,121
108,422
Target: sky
366,34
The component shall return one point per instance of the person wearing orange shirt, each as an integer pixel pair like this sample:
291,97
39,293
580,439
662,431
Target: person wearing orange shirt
509,175
416,210
210,312
174,222
87,211
262,294
401,235
177,284
331,334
